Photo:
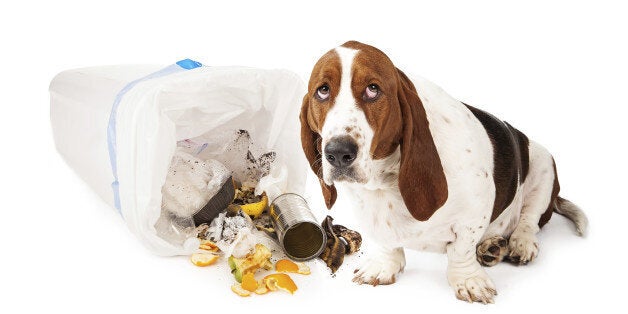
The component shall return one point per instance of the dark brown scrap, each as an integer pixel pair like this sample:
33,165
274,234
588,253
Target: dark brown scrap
334,253
352,238
340,241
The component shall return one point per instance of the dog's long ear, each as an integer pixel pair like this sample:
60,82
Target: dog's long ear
422,181
311,142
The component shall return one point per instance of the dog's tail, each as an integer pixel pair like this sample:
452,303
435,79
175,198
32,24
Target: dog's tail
574,213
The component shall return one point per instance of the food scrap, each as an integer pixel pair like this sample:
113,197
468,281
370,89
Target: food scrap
265,223
340,241
280,281
288,266
352,239
244,272
260,258
261,288
253,205
203,259
237,288
208,245
249,283
235,233
273,282
255,209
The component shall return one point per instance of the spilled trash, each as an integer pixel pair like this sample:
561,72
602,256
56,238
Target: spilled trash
341,241
221,203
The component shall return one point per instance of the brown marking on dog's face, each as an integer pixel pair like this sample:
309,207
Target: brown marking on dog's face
371,67
326,72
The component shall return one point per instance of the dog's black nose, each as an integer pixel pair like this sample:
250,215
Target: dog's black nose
341,151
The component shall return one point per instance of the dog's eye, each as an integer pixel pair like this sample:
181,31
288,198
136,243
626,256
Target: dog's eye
371,92
322,93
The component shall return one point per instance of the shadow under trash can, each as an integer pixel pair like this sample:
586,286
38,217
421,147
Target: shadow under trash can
128,130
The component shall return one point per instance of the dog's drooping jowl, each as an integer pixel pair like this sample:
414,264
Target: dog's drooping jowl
426,171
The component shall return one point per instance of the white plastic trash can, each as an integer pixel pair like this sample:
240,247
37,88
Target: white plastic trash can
118,128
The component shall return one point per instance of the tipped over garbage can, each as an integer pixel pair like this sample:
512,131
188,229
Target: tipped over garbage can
119,128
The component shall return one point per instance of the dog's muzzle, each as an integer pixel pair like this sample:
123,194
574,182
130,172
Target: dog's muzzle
341,151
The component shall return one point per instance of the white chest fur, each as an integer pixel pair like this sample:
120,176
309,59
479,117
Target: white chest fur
382,214
467,158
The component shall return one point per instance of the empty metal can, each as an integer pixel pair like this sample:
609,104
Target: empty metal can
300,235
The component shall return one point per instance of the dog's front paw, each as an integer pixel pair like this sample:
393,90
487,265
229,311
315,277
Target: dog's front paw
382,270
524,247
473,288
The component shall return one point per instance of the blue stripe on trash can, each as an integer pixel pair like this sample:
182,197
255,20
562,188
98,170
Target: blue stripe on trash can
180,66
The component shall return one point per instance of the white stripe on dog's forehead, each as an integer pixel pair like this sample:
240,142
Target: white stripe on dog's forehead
344,109
346,62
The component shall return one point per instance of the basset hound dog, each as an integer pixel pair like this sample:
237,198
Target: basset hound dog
426,171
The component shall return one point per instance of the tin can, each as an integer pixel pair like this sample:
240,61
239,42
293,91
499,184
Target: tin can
298,232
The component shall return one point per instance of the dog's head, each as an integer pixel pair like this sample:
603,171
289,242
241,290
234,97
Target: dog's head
358,111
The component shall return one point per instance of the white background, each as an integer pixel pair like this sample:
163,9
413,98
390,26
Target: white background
557,71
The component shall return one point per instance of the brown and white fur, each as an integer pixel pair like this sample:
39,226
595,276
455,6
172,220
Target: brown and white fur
429,172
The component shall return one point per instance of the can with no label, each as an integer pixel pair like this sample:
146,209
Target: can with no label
298,232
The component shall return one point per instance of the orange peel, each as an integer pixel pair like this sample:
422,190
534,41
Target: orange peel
261,288
255,209
208,245
237,289
203,259
288,266
249,283
303,269
281,281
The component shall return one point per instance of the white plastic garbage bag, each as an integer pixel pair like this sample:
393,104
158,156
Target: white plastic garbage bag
118,128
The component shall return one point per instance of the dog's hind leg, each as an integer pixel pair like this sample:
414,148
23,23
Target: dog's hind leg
492,251
540,190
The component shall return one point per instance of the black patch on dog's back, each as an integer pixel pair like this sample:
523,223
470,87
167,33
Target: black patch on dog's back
510,158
